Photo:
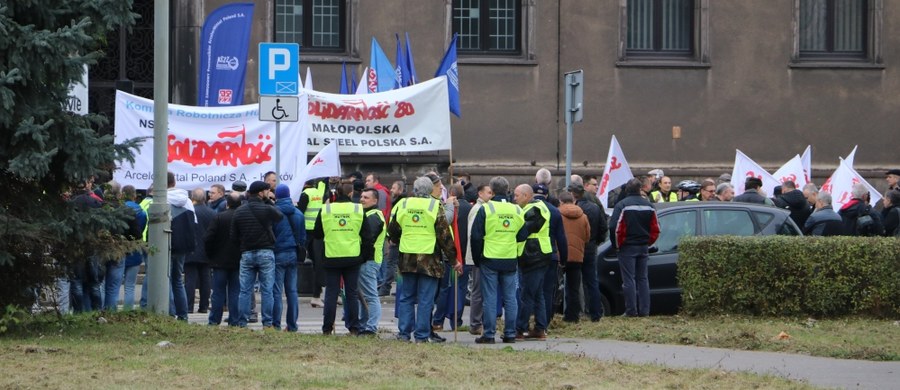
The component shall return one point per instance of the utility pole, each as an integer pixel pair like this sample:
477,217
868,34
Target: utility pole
574,113
159,233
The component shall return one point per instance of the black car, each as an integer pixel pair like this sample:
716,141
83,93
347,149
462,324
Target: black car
677,220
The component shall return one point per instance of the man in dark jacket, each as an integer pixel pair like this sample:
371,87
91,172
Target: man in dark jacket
252,227
599,230
858,216
793,200
824,221
560,255
196,264
290,246
225,260
182,244
535,255
217,198
635,228
751,192
340,225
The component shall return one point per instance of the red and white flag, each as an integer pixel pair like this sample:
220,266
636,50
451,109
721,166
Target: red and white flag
326,163
615,173
841,183
745,167
793,171
806,160
849,159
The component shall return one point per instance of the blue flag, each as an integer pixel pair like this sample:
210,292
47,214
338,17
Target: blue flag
410,66
402,70
384,71
344,89
448,68
353,85
223,55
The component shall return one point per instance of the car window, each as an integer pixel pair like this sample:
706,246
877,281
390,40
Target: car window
763,218
787,229
673,226
728,222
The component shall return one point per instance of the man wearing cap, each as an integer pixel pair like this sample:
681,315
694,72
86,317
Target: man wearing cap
290,247
421,230
892,178
340,225
252,226
496,231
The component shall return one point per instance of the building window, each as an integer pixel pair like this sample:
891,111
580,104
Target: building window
662,28
837,33
667,33
317,25
488,26
833,29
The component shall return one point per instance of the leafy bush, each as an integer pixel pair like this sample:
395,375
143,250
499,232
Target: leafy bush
777,275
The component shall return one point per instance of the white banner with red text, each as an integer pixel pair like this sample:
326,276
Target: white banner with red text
615,173
411,119
208,145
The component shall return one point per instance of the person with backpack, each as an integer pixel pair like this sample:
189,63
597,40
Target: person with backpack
858,216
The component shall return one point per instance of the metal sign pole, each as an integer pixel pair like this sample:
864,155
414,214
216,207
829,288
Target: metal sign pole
277,152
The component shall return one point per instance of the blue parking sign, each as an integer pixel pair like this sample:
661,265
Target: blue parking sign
279,68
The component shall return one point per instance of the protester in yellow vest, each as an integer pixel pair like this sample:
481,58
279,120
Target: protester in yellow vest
496,231
422,232
535,254
370,308
340,225
310,203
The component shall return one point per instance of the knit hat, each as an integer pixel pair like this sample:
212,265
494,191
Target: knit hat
282,191
257,187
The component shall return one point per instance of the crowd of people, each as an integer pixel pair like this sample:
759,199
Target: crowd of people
505,245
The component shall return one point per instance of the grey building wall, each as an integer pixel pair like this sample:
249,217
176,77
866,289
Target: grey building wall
748,97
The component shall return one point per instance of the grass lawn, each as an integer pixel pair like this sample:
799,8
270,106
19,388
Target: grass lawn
122,352
848,338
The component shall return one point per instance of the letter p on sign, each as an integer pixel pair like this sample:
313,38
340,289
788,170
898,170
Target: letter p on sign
279,69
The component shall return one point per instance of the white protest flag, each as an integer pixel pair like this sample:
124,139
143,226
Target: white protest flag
326,163
745,167
793,171
307,82
849,159
615,173
806,160
842,181
362,88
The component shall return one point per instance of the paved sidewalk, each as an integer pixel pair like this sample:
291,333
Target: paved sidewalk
818,371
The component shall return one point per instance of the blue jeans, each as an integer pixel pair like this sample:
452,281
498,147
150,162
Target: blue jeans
115,272
446,300
531,300
370,313
176,279
86,296
285,284
257,263
490,281
388,270
333,278
635,286
63,293
226,286
416,300
130,281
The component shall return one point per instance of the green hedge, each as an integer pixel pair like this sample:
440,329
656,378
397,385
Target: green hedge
778,275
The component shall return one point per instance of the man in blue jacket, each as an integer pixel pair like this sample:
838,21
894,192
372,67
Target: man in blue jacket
290,246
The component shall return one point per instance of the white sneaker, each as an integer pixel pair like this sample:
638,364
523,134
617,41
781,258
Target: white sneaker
316,302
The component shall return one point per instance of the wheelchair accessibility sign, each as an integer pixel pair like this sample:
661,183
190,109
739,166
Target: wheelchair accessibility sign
279,68
279,108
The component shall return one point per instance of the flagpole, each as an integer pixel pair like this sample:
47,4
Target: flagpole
455,276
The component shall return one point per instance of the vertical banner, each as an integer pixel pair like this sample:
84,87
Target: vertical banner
615,173
223,55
